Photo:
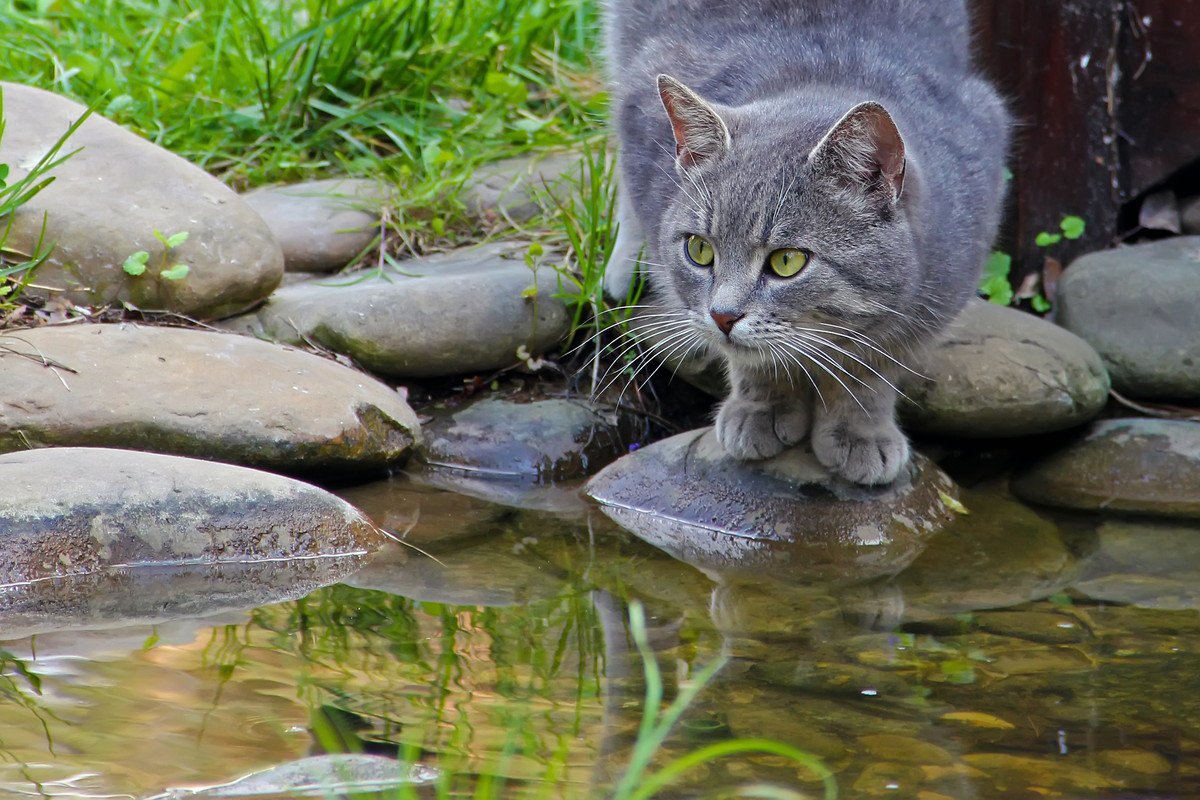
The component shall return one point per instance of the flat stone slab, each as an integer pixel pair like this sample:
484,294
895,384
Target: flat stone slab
511,189
101,209
71,512
1139,307
198,393
447,314
686,496
321,226
1150,466
1000,372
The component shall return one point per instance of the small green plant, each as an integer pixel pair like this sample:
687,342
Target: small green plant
995,284
135,265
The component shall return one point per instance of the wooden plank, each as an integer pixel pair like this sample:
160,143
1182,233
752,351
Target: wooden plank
1059,63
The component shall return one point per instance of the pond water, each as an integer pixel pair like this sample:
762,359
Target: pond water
1020,655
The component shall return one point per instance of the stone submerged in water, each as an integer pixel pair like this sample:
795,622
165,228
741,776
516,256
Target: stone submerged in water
74,512
1149,466
688,497
1140,308
197,393
321,225
999,372
1145,563
100,210
547,440
448,314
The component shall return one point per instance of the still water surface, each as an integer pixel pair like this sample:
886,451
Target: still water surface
1019,656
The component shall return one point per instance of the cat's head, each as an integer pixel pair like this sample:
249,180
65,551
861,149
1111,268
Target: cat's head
781,224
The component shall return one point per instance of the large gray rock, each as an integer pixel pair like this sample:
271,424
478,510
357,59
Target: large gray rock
107,201
1140,308
73,512
513,188
199,393
687,496
446,314
321,225
1142,465
1001,372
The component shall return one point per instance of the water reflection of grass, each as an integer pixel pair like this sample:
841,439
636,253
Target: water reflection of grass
507,702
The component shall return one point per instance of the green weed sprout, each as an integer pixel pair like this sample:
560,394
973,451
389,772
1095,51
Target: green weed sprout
135,265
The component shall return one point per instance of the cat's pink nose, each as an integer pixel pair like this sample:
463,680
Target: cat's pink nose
725,321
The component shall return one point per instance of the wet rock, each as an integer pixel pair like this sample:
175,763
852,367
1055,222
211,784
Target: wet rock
1144,563
423,515
321,226
563,499
888,780
494,573
905,750
1142,465
75,513
1131,764
831,679
1001,372
546,440
755,720
1033,626
1011,774
234,260
686,496
1000,555
198,393
1140,308
447,314
511,189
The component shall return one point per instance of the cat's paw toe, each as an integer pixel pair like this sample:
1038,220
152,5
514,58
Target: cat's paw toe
792,424
747,430
870,457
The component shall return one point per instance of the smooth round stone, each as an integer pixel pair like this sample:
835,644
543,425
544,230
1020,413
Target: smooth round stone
1000,372
109,198
1189,212
197,393
511,189
687,496
541,440
74,511
1140,308
447,314
1142,465
321,226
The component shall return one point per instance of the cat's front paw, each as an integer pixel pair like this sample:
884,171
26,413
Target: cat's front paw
746,429
871,454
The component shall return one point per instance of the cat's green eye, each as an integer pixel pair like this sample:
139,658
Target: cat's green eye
786,263
700,252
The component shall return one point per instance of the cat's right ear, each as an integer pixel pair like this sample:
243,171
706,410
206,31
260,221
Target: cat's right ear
700,133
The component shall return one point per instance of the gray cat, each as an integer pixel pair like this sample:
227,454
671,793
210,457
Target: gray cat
813,186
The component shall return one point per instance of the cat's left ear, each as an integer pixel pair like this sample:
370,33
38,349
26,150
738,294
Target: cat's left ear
865,147
700,133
